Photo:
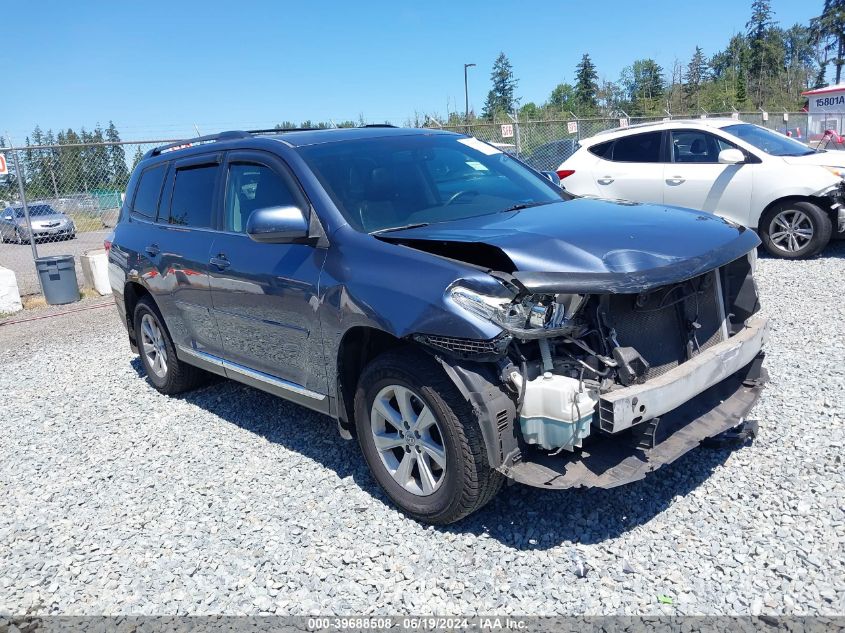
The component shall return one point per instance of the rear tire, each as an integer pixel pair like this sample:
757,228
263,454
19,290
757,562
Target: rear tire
166,372
795,229
451,455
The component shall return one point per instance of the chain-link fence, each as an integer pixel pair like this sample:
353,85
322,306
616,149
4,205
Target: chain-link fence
546,144
62,200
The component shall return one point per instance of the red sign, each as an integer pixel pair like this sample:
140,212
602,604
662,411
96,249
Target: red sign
4,168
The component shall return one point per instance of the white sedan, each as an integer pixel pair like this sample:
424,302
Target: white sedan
793,196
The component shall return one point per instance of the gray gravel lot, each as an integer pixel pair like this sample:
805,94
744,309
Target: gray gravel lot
115,499
18,257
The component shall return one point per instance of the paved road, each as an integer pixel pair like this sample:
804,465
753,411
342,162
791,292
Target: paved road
18,257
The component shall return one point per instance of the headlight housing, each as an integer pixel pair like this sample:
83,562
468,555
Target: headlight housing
527,318
839,172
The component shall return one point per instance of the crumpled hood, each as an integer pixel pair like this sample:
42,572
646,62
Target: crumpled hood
588,244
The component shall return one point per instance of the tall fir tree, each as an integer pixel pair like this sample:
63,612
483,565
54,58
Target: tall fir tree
586,86
759,43
828,31
696,75
502,96
117,158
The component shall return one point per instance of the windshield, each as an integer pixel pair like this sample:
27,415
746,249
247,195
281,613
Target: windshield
35,210
768,141
397,181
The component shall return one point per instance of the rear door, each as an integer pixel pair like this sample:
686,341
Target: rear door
180,249
265,296
694,178
631,168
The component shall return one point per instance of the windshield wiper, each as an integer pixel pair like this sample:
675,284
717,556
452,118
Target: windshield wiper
525,205
399,228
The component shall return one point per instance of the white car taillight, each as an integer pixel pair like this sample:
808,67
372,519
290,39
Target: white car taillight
563,173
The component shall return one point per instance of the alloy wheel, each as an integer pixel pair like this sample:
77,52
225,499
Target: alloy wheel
153,345
408,439
791,230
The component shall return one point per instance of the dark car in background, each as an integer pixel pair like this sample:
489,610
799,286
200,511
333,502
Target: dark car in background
548,156
47,223
460,314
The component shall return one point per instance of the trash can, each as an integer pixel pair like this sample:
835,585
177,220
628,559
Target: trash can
58,279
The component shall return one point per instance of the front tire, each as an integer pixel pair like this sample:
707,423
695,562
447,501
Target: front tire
421,440
167,373
795,230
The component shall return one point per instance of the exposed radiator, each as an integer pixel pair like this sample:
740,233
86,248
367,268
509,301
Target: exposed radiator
659,324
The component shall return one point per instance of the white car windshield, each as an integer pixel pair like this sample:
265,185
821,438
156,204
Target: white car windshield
770,142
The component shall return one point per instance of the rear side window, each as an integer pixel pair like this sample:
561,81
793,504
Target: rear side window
193,196
602,150
638,148
149,191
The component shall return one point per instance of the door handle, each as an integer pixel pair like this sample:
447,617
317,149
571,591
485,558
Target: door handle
605,180
675,180
220,262
152,250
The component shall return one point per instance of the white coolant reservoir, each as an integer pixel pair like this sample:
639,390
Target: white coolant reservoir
556,413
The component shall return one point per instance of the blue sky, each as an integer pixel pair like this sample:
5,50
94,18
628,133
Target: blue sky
158,68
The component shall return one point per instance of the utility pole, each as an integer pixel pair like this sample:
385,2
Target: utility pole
466,93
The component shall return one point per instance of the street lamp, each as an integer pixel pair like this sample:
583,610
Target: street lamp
466,92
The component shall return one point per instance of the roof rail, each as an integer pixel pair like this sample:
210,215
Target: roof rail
274,130
222,136
378,125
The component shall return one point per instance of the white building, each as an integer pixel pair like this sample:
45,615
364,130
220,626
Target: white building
826,118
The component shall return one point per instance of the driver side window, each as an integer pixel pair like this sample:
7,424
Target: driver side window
694,146
252,186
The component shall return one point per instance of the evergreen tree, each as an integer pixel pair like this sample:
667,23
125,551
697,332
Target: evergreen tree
828,30
759,43
501,98
136,158
117,158
696,75
586,86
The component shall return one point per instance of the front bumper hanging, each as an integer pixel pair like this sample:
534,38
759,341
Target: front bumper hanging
607,461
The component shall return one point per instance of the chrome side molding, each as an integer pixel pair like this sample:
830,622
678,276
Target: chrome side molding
260,376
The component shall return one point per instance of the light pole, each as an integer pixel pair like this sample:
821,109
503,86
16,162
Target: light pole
466,93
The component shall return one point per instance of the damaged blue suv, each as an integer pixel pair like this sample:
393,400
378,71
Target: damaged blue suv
459,313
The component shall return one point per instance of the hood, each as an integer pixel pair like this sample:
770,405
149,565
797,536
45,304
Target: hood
832,158
587,245
53,217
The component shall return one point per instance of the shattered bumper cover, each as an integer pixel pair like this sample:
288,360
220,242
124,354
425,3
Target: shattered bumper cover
607,461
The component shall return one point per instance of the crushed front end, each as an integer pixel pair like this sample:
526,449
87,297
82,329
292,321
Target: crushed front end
607,386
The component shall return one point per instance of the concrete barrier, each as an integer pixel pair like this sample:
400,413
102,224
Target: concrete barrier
10,297
95,270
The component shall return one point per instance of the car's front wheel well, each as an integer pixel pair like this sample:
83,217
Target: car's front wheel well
357,348
821,201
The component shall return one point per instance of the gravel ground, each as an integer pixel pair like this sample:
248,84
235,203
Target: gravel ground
115,499
18,257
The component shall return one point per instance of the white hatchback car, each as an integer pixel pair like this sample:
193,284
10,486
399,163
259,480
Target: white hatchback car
793,196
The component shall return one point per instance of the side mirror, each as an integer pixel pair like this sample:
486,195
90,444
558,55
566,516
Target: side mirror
731,156
553,177
277,225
